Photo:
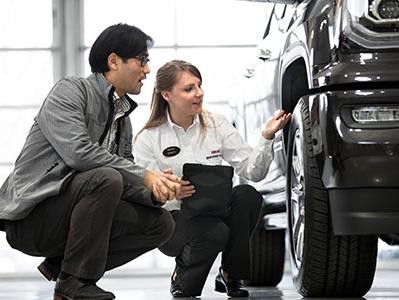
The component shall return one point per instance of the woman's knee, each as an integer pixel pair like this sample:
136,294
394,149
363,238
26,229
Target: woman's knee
246,196
215,237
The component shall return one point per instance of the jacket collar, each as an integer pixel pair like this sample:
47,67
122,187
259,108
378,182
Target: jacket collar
107,90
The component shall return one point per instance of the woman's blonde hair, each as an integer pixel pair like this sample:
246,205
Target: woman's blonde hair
167,76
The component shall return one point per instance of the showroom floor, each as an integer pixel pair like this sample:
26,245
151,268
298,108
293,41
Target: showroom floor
150,287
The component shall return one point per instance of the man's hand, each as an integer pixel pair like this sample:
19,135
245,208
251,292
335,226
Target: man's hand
162,185
275,123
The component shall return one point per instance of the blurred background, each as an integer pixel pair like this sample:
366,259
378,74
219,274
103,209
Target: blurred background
42,41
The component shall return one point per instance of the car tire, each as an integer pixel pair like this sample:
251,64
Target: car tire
267,250
322,264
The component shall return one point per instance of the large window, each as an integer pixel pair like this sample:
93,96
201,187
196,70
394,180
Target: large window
37,49
217,36
26,63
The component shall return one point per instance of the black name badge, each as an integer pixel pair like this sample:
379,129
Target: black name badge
171,151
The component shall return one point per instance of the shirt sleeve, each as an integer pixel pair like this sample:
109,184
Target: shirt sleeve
144,153
251,164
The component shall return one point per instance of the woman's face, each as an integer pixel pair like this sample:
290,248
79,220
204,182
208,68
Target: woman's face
185,97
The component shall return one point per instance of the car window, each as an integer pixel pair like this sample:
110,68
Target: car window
286,21
276,15
279,11
267,30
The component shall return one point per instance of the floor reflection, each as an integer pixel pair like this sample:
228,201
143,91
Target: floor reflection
146,287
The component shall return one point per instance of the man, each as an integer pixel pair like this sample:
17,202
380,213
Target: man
75,195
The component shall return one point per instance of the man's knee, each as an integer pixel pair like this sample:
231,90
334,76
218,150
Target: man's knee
110,176
101,186
109,179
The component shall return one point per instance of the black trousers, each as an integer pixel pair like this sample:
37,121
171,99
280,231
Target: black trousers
197,241
90,226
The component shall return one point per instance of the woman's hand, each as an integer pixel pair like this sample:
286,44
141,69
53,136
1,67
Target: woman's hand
186,188
275,123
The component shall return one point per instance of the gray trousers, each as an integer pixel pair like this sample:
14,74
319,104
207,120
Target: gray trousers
197,241
90,227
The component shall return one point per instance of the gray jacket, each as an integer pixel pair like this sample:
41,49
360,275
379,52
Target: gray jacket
64,140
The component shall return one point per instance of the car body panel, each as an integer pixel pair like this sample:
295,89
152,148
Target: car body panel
308,40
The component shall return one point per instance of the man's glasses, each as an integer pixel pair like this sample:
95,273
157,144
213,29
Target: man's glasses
143,59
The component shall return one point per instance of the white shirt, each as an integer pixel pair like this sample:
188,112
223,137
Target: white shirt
170,146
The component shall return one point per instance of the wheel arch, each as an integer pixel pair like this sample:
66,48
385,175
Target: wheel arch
295,83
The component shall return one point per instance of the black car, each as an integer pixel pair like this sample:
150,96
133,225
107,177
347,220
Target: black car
335,66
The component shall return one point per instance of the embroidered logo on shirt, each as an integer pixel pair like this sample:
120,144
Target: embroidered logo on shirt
214,154
171,151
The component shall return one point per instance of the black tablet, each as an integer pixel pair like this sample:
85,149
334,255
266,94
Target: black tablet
213,188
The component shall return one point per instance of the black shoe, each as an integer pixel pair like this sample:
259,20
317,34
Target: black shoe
50,268
73,288
233,286
175,290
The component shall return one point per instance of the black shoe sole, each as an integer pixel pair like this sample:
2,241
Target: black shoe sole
221,288
45,271
58,296
61,297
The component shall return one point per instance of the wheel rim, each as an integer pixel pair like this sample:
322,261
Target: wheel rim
297,199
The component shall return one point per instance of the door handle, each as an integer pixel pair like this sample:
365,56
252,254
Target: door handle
264,54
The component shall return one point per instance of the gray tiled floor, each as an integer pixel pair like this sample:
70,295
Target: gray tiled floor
147,287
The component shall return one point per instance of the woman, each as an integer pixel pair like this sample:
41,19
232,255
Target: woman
180,131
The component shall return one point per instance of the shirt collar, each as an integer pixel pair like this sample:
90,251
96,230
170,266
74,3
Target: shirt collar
116,97
173,125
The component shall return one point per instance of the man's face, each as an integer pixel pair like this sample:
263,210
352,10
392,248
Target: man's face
128,75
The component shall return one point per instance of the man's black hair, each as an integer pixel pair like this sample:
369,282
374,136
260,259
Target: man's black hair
125,40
